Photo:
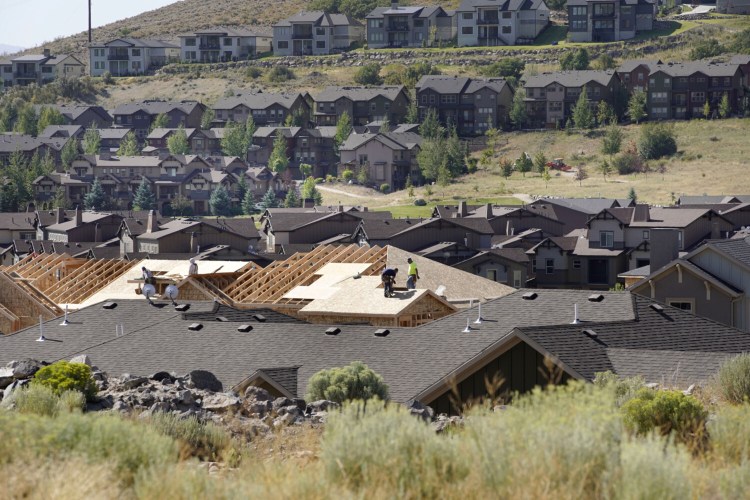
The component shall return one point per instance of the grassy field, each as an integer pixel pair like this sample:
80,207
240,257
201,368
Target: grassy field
711,159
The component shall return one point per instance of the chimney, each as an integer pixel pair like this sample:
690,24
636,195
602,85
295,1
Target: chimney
715,231
489,210
79,217
664,247
462,210
394,4
341,208
193,242
59,215
97,233
641,213
151,222
308,203
46,52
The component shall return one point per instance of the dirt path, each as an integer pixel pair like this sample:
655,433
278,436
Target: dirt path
341,192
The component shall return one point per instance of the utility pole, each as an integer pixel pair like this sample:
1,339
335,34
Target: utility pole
89,21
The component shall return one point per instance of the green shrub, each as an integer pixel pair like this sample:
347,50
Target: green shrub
730,433
374,447
369,74
623,388
471,165
280,74
665,412
40,399
330,179
203,440
354,381
733,379
657,140
385,187
319,180
65,376
347,175
628,163
253,72
420,202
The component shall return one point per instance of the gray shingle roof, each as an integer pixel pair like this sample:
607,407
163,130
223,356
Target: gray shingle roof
707,68
332,94
156,107
570,78
443,84
257,100
738,249
630,65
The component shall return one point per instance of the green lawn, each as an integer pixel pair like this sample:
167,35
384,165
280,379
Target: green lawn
413,211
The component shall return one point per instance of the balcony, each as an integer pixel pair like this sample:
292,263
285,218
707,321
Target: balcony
118,57
488,20
394,26
209,46
603,14
26,74
302,36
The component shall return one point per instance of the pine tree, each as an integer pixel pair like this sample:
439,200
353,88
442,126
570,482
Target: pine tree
291,200
96,199
279,161
248,203
207,119
49,116
632,195
241,186
343,130
177,143
310,191
60,201
518,110
47,165
269,199
605,168
161,121
128,145
430,127
144,199
91,141
455,154
220,202
524,163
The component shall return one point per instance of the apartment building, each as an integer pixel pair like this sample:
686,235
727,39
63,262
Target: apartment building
609,20
39,68
388,157
130,56
313,146
363,104
224,43
266,108
315,33
412,26
500,22
140,115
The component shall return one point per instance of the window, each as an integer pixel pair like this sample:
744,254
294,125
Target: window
320,44
555,106
46,69
646,234
320,31
419,23
467,30
577,264
8,69
517,278
362,159
432,98
375,23
492,274
578,11
467,15
190,42
283,44
699,97
227,42
606,239
701,79
549,266
666,81
604,9
190,55
578,24
682,304
658,96
507,30
507,15
533,265
135,52
448,99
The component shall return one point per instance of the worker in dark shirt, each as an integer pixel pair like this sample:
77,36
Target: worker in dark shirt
389,279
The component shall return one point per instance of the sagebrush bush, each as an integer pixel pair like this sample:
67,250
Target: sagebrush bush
205,440
41,400
653,468
666,412
657,140
280,74
385,188
353,381
730,433
65,376
420,202
347,175
373,447
623,388
552,443
733,379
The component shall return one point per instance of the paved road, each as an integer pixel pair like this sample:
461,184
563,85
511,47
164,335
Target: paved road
700,9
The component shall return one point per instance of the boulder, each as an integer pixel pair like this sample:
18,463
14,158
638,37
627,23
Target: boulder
221,403
322,405
160,406
6,377
128,381
424,412
121,407
162,376
26,368
254,393
12,387
204,380
185,397
257,408
81,358
282,402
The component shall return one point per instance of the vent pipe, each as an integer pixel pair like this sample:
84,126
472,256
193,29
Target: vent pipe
468,328
575,321
41,338
65,320
478,321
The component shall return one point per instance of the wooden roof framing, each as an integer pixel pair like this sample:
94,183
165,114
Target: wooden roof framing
269,285
87,279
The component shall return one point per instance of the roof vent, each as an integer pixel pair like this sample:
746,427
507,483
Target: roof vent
222,319
333,331
656,307
244,328
590,333
596,297
259,318
194,327
529,296
382,332
182,307
109,305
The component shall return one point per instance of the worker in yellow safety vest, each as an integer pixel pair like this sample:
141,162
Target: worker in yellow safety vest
413,275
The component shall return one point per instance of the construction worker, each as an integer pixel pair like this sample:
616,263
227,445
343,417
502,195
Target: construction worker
389,279
413,276
193,269
148,276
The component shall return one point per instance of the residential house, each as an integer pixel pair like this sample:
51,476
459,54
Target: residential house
634,73
363,104
388,157
16,226
733,6
743,60
157,139
516,339
61,131
573,213
140,115
609,20
39,68
414,235
510,266
27,145
221,44
712,281
551,97
315,33
506,220
680,91
473,105
84,226
408,26
111,138
83,115
500,22
130,56
266,108
314,147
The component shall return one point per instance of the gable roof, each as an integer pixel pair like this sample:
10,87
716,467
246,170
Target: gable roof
154,107
631,64
257,100
571,78
332,94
